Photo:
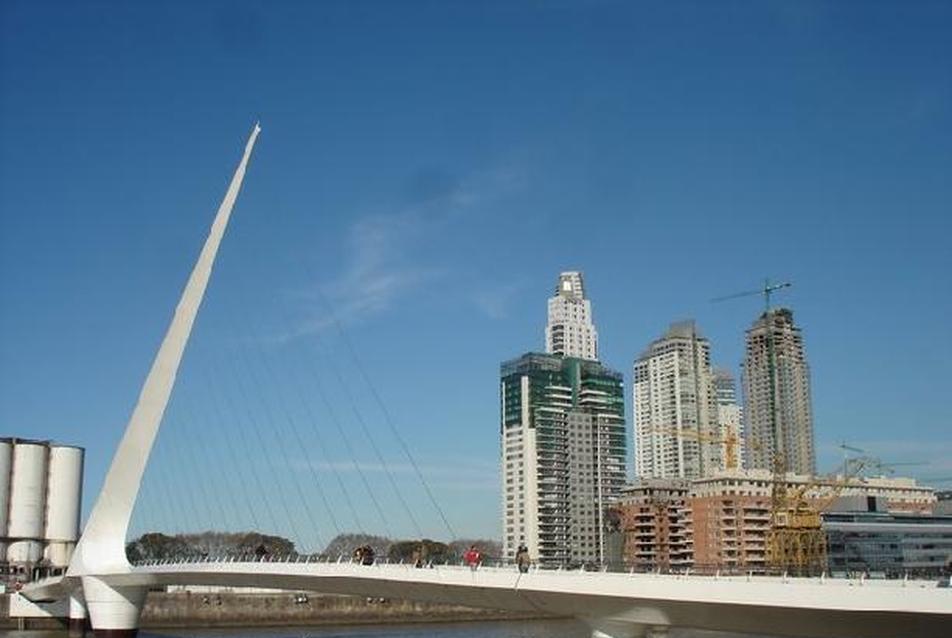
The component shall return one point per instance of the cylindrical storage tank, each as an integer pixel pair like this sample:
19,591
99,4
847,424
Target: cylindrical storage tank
27,492
25,551
6,464
58,553
64,493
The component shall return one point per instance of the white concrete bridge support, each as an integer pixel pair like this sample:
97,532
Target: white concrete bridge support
640,622
77,619
629,630
619,632
114,611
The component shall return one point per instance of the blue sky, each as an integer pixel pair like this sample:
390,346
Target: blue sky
429,168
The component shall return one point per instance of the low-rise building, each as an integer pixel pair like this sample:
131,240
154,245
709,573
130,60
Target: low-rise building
655,524
863,538
730,530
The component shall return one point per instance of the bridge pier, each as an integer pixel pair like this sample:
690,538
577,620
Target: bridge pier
113,611
76,622
640,622
630,630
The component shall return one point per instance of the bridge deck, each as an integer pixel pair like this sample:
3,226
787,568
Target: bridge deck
766,605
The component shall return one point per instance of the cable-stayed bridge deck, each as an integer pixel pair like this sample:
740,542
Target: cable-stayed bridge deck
823,607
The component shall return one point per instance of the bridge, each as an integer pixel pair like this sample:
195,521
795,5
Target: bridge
100,580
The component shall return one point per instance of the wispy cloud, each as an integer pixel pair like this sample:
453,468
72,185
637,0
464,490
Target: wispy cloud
384,260
495,301
381,268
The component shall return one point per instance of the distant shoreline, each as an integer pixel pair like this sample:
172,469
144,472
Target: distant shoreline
229,609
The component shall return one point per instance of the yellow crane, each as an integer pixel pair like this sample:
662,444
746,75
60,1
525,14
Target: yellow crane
730,440
796,543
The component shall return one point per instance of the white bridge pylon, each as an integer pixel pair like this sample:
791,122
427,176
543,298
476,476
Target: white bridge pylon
101,548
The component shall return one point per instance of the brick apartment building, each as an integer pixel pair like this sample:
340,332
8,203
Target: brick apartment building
655,524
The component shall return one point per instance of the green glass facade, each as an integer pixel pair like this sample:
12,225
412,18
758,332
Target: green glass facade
564,451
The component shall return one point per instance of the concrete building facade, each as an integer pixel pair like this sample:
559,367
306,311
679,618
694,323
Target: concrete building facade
570,330
731,515
676,429
778,411
865,540
563,455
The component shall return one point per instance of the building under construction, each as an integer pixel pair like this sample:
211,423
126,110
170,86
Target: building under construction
778,413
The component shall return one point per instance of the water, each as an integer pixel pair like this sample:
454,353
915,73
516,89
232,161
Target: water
485,629
477,629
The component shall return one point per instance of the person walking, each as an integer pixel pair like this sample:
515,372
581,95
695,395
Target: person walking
367,556
419,556
472,557
522,558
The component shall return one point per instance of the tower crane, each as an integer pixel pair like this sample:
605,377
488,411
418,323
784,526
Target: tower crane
730,440
846,450
890,468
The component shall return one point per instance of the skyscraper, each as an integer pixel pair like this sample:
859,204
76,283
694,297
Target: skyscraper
569,330
729,419
675,410
789,429
563,450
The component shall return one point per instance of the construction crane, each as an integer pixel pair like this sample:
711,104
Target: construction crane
796,542
846,450
730,440
890,468
873,462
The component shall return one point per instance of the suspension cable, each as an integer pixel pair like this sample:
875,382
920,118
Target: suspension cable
383,409
236,462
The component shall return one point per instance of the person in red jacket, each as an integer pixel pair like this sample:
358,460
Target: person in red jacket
472,557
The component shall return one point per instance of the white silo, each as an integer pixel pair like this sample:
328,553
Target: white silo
63,497
27,502
6,464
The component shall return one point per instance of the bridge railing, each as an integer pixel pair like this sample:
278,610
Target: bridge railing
712,571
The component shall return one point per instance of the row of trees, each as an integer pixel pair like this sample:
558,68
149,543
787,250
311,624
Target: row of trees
158,546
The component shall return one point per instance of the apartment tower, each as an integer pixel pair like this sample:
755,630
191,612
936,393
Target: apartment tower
778,412
562,436
563,455
675,411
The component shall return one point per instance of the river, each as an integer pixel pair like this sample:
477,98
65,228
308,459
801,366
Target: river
480,629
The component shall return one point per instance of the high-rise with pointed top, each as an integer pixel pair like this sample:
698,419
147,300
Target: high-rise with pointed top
570,331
